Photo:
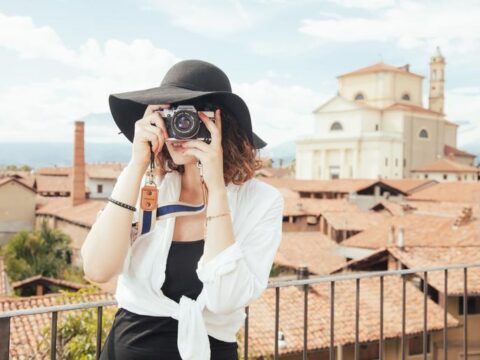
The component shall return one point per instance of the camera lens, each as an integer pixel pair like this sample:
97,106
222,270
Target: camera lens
186,124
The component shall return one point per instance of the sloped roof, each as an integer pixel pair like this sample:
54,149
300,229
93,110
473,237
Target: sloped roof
447,149
380,67
311,248
451,191
446,165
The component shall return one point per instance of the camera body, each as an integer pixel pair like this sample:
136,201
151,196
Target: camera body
183,123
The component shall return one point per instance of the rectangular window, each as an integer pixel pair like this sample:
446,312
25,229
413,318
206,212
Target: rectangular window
99,188
473,305
415,345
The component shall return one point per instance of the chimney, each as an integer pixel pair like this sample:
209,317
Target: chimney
464,217
401,238
78,171
302,273
390,235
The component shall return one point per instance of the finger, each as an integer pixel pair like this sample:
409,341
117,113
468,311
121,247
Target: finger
211,126
146,135
197,144
157,119
153,107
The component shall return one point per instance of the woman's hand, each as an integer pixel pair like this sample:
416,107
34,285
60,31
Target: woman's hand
210,155
146,132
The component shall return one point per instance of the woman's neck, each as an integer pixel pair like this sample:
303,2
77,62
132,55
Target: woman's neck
191,180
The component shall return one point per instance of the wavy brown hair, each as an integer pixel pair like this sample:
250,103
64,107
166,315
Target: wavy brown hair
239,156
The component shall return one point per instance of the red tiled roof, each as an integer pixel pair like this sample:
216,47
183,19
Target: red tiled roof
409,185
446,165
453,191
419,230
6,180
84,214
411,107
380,67
262,315
94,171
310,248
420,257
447,149
50,280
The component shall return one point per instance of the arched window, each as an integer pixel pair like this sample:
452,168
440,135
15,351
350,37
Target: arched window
434,75
423,134
336,126
406,97
359,96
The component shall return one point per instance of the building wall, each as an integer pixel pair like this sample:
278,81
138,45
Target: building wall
381,89
446,176
17,210
107,185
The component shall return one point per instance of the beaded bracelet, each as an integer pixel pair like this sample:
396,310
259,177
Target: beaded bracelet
214,216
119,203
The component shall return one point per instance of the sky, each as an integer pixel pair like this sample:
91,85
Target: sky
61,59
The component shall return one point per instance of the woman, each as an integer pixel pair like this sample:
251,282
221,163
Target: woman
183,284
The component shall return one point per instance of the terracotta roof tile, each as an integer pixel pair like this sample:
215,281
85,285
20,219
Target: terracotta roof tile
446,165
411,107
447,149
84,214
419,257
380,67
262,315
419,230
455,191
310,248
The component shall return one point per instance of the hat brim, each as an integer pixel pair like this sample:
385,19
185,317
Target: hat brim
128,107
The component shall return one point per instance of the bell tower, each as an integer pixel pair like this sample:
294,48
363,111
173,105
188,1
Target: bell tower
436,99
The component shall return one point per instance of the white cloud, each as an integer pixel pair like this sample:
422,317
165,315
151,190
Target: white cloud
364,4
215,18
45,111
462,106
279,113
452,25
20,34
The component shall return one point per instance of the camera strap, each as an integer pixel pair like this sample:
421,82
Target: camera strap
150,211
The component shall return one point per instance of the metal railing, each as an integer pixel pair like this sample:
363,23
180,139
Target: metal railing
5,317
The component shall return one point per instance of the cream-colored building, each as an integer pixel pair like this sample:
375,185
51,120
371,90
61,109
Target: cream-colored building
376,125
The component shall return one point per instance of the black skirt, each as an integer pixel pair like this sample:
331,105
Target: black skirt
134,336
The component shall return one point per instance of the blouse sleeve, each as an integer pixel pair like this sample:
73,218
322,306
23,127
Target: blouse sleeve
239,274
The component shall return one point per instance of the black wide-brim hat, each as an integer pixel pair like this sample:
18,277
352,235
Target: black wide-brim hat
186,80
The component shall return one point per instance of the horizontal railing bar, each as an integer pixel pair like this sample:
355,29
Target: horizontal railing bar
340,277
65,307
272,284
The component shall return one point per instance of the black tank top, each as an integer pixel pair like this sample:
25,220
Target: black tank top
134,335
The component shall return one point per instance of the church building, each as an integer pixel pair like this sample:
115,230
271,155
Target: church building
376,126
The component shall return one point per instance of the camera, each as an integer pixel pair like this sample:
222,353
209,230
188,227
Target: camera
183,123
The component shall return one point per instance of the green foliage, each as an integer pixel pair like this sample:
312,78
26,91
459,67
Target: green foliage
44,251
77,329
18,168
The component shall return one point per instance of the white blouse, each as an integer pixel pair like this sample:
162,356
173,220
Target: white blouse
233,279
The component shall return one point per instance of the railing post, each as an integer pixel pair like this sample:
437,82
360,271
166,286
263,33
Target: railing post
245,336
277,319
53,336
98,348
5,338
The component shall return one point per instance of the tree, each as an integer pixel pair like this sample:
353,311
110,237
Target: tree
77,329
44,251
